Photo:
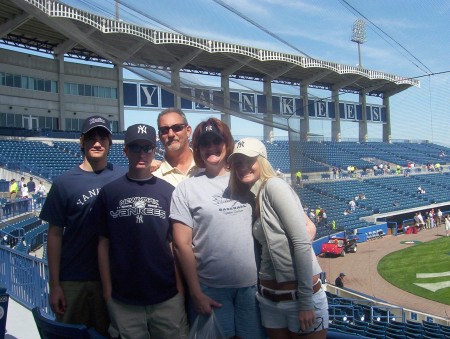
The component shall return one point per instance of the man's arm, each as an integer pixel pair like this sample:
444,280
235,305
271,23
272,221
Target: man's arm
104,267
54,243
178,276
182,236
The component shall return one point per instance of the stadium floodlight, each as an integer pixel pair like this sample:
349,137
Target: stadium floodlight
359,36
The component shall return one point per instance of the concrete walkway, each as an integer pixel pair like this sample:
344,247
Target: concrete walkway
20,322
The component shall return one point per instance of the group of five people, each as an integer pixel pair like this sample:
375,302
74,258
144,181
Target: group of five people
213,224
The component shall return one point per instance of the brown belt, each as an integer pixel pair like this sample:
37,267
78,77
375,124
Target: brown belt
288,296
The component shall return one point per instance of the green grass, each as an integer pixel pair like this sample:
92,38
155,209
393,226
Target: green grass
400,268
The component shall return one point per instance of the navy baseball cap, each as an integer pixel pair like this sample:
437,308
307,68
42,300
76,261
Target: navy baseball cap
210,128
140,132
94,122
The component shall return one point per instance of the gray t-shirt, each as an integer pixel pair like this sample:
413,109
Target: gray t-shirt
221,231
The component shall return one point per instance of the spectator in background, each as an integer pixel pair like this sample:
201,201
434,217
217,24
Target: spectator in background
339,282
447,224
334,172
41,190
13,189
41,193
140,286
20,185
298,177
418,218
174,132
75,290
431,217
317,213
352,205
312,215
333,225
439,216
324,218
31,187
24,191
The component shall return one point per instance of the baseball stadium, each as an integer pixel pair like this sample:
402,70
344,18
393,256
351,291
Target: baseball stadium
380,203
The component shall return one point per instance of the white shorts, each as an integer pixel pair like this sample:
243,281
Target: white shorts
284,314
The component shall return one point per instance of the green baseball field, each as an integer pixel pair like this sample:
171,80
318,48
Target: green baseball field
422,269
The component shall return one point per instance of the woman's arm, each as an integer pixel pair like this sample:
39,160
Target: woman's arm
285,203
182,245
299,232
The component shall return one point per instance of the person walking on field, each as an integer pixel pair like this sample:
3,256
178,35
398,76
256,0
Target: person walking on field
447,224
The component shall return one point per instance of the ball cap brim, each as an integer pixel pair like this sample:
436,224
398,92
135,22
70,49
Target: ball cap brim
94,122
249,147
140,132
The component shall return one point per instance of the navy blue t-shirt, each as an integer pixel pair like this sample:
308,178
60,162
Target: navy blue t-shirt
134,215
67,205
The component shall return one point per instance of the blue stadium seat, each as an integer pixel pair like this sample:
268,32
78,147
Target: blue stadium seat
50,329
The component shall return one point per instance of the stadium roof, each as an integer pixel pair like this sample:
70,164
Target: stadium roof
53,27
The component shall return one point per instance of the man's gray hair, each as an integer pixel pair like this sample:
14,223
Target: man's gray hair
173,110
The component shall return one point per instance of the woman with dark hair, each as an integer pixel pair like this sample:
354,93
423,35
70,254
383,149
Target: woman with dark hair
213,237
291,300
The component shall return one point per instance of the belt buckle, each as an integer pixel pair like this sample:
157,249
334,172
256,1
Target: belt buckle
275,297
269,295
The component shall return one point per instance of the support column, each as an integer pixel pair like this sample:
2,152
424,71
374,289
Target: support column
363,136
61,94
336,123
268,116
120,104
387,137
304,124
225,84
175,83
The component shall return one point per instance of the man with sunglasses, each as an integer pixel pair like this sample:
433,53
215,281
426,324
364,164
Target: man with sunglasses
74,279
137,267
174,132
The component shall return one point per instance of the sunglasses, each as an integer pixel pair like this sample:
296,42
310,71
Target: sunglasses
134,148
207,142
175,128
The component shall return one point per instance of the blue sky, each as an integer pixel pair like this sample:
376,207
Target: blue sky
409,38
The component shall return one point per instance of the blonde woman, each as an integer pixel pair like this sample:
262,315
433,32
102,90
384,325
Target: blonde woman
292,302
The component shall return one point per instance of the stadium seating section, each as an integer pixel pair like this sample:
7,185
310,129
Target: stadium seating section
386,193
359,317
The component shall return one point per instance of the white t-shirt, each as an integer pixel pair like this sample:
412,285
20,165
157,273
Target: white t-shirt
222,238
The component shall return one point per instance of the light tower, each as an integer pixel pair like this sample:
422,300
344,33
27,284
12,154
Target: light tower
359,36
